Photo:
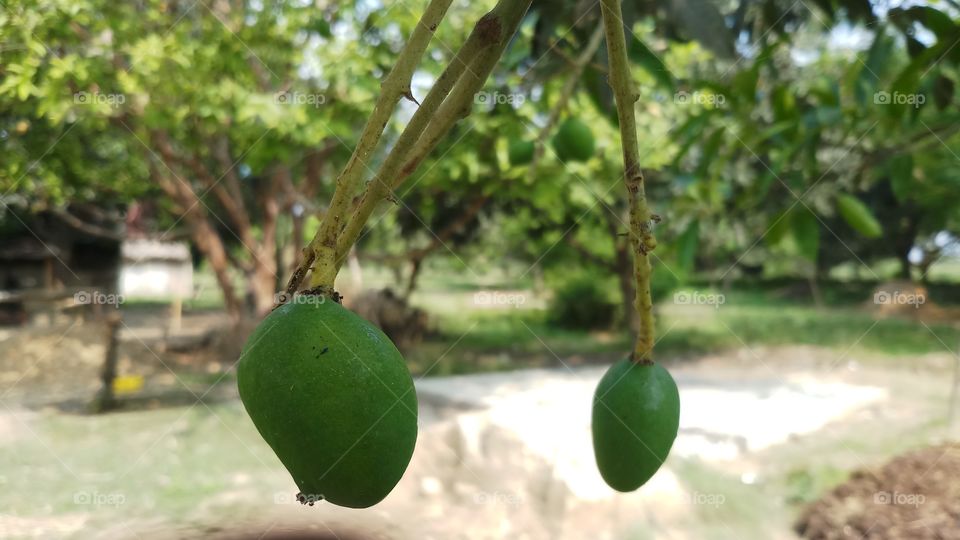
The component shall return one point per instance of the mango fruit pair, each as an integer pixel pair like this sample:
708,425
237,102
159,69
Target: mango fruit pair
572,142
332,396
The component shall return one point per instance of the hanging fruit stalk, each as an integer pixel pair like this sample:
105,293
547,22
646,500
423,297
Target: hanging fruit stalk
636,407
448,101
641,219
394,86
327,390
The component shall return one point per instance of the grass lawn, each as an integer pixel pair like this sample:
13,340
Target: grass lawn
511,337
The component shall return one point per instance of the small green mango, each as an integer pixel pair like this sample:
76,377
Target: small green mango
333,398
520,152
574,141
636,414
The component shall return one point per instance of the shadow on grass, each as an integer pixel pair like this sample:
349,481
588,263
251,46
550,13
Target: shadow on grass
161,398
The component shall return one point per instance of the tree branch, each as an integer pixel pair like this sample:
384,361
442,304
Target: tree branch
88,228
490,37
221,152
204,235
395,86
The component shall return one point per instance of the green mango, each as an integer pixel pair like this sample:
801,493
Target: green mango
858,216
520,152
332,396
574,141
636,414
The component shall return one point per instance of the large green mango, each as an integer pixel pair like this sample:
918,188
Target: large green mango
332,396
636,414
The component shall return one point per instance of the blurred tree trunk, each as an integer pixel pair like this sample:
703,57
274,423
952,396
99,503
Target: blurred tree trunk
905,267
416,263
204,236
105,399
903,243
263,283
260,267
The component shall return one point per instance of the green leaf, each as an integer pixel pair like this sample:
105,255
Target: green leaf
687,245
745,82
599,92
778,228
908,81
688,134
937,21
943,89
858,216
773,131
640,53
901,176
915,47
874,68
859,9
806,232
827,7
322,27
708,154
784,103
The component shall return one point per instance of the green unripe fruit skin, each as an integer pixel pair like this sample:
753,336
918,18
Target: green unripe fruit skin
332,396
574,141
636,415
520,152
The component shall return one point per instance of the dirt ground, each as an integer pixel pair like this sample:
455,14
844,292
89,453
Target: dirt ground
183,460
913,496
60,365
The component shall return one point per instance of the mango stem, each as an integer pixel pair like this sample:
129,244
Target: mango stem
641,219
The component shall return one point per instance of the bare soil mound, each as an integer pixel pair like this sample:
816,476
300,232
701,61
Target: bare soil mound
913,496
